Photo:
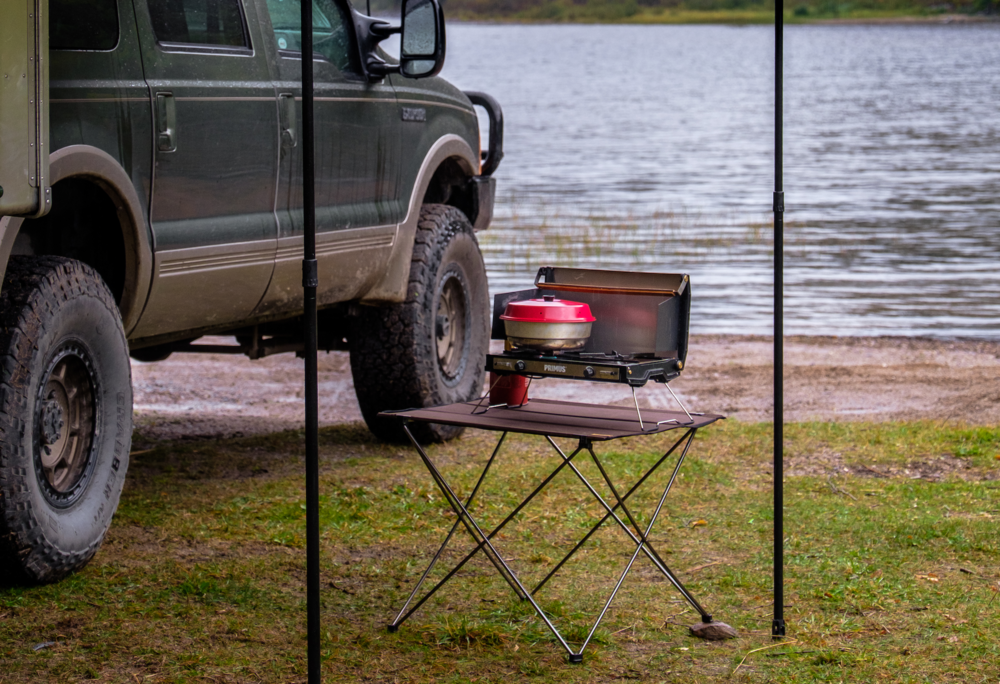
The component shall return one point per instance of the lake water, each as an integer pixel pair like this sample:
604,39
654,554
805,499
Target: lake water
651,148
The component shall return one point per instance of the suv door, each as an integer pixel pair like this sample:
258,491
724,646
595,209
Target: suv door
358,202
216,154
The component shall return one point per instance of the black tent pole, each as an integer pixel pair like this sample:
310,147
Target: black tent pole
778,625
309,282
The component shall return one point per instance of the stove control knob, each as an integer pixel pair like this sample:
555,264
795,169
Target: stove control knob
588,372
519,366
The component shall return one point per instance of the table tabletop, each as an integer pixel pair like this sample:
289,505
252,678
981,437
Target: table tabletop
557,419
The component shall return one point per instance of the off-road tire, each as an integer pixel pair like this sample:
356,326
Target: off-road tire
396,351
65,416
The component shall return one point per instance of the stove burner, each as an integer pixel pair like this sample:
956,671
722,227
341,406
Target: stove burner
613,356
635,370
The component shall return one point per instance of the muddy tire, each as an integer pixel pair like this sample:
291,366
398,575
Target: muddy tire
431,349
65,416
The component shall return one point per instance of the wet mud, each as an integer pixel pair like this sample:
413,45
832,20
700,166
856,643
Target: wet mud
198,396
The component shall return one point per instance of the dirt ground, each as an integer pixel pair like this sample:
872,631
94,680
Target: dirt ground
196,396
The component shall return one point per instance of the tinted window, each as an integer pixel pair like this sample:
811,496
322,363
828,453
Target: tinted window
331,32
83,24
199,22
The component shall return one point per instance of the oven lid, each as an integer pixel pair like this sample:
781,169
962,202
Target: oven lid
548,309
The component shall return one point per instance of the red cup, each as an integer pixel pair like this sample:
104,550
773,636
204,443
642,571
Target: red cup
508,389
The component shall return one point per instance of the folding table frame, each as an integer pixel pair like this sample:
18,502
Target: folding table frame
587,423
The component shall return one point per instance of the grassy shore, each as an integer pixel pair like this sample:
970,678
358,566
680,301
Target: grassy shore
891,550
715,11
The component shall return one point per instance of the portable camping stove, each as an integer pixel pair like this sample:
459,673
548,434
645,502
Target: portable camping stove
640,333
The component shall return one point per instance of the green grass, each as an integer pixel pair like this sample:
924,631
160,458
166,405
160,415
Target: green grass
891,548
516,242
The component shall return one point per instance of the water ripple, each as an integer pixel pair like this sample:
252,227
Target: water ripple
650,148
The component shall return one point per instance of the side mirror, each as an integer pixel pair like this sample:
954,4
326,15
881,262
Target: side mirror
423,43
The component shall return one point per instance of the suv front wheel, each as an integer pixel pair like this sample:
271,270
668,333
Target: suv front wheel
65,416
431,349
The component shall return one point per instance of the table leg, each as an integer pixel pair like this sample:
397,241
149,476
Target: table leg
639,548
463,514
394,625
643,541
480,545
610,512
647,547
687,436
483,540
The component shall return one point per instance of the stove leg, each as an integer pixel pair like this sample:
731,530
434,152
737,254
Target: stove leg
681,404
479,403
637,411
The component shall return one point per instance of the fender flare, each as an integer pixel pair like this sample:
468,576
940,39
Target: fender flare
99,167
391,289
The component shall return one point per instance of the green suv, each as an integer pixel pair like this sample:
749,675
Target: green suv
151,194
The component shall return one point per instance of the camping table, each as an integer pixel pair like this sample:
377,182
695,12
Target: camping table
588,424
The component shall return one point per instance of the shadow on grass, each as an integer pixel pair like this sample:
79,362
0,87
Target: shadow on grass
174,465
12,578
277,453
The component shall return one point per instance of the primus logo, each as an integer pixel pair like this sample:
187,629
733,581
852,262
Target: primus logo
555,369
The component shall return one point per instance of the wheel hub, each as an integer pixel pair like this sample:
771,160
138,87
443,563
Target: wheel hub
443,326
451,323
65,421
52,423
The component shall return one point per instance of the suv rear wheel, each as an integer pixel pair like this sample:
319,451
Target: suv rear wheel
65,416
429,350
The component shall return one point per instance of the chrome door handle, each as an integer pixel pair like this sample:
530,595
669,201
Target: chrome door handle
286,112
166,122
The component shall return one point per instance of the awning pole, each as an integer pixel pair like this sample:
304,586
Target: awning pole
309,283
778,625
